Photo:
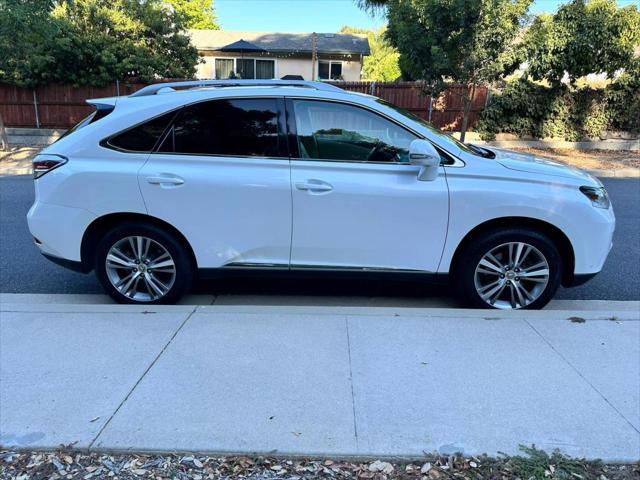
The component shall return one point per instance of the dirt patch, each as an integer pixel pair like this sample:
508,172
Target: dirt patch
588,159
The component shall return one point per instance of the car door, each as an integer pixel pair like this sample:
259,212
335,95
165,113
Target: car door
221,176
357,202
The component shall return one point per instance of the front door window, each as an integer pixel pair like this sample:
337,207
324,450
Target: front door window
336,131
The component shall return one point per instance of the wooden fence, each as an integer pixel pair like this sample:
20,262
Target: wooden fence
61,106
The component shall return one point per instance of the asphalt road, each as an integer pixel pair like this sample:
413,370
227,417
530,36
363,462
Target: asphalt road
24,270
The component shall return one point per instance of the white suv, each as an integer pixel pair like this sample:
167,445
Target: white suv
172,183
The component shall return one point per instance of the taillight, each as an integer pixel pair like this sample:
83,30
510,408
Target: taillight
46,162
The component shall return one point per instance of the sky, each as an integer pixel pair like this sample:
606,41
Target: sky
314,15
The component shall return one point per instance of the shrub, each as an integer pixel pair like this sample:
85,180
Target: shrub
526,109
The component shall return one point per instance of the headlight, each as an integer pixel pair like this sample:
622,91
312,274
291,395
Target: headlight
597,195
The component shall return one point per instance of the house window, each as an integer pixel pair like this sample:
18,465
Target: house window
248,68
245,67
329,70
265,69
224,67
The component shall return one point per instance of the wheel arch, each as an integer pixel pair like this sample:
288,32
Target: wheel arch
102,224
556,235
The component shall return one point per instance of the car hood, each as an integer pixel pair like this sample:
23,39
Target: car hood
526,162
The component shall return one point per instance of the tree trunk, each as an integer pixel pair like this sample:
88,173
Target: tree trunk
466,101
4,140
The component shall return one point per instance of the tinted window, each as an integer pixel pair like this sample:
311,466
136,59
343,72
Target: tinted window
242,127
143,137
334,131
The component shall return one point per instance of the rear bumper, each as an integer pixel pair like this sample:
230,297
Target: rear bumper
59,229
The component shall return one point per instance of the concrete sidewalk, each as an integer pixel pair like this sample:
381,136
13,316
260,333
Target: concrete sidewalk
309,380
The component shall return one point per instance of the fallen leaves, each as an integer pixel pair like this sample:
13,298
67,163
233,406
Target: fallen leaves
69,464
378,466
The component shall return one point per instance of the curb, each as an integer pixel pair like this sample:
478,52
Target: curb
85,303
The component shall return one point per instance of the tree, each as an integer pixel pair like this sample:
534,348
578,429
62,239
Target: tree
24,28
382,64
198,14
582,37
93,42
468,42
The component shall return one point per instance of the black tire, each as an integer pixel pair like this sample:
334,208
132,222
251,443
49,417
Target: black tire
463,275
182,260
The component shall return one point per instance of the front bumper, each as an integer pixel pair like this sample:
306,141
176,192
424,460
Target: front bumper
70,264
580,279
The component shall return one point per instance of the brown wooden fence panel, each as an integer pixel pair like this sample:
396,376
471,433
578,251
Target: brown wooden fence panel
58,106
16,106
63,106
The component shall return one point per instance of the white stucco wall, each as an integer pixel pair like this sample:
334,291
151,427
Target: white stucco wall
351,69
205,70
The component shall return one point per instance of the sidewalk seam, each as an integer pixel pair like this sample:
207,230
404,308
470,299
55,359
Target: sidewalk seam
144,374
353,397
581,375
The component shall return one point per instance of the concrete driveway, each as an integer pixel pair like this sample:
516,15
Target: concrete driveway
310,380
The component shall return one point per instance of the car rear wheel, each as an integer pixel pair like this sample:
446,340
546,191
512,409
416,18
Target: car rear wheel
509,269
143,264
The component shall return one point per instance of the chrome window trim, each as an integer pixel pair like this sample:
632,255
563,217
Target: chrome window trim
216,155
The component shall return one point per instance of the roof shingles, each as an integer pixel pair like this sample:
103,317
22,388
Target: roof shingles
336,43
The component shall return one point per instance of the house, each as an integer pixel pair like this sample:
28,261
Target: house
265,55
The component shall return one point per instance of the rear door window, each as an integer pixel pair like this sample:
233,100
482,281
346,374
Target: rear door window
143,137
232,127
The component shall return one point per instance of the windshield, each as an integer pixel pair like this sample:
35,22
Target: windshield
445,137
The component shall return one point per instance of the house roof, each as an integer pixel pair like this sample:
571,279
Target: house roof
346,43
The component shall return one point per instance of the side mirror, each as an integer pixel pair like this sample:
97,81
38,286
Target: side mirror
422,153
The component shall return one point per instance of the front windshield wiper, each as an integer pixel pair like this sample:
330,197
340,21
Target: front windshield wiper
483,152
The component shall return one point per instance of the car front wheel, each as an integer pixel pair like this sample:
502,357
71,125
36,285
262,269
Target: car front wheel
509,269
143,264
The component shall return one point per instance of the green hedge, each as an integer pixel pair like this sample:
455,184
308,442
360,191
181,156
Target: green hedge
528,109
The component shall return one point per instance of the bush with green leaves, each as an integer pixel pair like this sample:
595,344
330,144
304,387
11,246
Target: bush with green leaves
529,109
92,42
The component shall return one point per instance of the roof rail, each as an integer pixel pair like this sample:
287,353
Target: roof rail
156,87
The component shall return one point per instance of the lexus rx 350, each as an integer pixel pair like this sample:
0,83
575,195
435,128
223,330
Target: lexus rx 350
195,178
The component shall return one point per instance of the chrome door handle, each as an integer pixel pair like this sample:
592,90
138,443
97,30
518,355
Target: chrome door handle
314,186
164,180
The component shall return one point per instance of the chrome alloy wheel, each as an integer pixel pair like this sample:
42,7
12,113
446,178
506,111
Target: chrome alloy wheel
140,268
511,275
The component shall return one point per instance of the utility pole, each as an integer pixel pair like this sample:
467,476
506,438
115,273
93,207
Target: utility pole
314,54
